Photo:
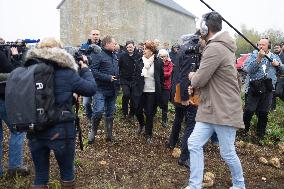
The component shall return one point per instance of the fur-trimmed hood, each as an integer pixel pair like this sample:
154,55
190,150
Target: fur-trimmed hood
56,55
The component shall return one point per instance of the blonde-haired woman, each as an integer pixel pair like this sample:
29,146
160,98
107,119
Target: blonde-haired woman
168,69
61,137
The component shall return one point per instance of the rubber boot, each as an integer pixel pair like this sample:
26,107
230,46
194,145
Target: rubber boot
164,119
247,118
109,126
261,124
68,184
93,130
141,122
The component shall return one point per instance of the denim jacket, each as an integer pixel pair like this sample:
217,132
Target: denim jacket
257,70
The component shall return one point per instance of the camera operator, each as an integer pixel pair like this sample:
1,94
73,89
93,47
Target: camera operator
16,141
94,39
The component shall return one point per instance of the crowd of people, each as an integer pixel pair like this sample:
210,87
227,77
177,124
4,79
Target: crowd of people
150,76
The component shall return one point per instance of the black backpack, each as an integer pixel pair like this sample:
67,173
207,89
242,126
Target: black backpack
30,99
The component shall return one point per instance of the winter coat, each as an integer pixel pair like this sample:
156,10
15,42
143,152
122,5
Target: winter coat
159,81
281,56
128,66
67,82
220,100
6,66
168,69
89,42
174,57
104,66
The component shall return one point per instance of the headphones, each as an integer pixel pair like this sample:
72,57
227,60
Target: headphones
269,42
203,27
269,45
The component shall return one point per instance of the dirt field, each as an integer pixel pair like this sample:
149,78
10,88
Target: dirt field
132,164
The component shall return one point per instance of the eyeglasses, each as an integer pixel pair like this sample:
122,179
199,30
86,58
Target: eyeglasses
163,56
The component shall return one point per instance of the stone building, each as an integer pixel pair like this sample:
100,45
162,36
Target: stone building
124,19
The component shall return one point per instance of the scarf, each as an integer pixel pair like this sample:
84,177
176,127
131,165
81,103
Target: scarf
148,62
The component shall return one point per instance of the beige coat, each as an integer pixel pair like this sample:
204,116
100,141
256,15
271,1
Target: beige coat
217,79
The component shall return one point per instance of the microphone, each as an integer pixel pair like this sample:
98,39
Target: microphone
96,49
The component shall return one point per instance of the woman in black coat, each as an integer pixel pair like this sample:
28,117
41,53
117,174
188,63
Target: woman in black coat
149,89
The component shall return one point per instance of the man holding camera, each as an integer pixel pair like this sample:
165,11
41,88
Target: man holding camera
16,141
261,80
94,39
105,70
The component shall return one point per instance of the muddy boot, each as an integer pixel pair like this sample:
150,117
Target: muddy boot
247,118
141,122
68,184
93,130
39,187
109,125
164,119
261,124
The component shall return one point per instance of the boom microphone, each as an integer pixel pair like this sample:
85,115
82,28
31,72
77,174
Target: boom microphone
245,38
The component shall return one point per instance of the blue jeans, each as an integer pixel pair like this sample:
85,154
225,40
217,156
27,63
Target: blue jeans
226,135
64,151
104,104
87,103
16,142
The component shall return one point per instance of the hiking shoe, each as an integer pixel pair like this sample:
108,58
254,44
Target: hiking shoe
21,171
149,140
168,145
91,136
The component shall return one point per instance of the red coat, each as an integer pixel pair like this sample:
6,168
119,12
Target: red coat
168,69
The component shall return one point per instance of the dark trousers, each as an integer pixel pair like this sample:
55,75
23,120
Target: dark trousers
126,100
180,112
279,88
147,105
260,105
64,151
190,123
165,100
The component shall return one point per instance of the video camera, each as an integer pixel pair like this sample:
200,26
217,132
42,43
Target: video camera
21,46
87,52
191,45
78,53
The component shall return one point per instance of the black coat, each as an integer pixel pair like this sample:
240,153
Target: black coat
104,66
6,66
159,81
129,68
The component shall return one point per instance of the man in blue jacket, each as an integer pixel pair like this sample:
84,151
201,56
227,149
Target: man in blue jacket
260,82
94,39
105,70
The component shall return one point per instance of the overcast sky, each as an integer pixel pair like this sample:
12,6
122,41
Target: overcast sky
21,19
